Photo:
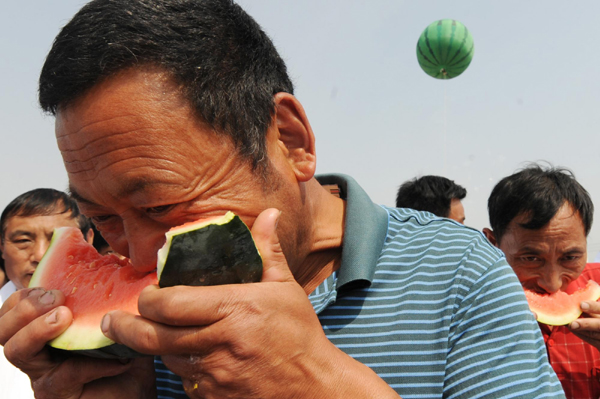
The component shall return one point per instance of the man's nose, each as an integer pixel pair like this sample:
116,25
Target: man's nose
39,249
144,239
551,282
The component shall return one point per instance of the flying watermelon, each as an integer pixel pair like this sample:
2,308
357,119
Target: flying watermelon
445,49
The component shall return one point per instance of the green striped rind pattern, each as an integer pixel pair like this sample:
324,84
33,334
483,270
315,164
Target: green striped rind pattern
445,49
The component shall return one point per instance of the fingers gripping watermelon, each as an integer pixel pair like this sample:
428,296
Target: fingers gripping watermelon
561,308
209,252
445,49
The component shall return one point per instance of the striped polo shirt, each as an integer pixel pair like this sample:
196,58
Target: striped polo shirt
428,304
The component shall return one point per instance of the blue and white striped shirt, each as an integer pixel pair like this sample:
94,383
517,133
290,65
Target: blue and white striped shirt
429,305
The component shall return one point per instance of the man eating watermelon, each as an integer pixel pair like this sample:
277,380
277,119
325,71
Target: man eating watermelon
540,218
171,111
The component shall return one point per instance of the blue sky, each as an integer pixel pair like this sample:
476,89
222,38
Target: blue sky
531,92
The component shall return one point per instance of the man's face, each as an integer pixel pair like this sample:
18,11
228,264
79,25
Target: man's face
139,162
26,240
457,211
548,259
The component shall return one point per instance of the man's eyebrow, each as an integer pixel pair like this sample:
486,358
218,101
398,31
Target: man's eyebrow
530,250
130,187
78,197
575,249
127,188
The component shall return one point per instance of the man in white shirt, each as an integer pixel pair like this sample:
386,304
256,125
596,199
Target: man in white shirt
26,228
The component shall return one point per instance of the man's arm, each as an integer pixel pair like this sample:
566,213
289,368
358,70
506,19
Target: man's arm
259,340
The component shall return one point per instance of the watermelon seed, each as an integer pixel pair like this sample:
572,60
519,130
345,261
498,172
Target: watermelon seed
73,290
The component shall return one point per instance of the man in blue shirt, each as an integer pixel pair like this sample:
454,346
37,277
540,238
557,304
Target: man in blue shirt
168,112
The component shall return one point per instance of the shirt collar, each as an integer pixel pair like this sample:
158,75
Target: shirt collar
365,231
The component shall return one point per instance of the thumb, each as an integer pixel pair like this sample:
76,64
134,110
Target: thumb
264,231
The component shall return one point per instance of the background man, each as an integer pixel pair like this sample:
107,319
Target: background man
26,227
168,112
435,194
3,278
540,219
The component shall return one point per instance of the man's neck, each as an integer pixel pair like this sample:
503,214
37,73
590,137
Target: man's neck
325,256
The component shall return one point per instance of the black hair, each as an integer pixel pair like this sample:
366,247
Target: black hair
99,243
223,63
538,193
429,193
43,202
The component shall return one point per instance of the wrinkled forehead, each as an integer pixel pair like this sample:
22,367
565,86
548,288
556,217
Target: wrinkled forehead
131,117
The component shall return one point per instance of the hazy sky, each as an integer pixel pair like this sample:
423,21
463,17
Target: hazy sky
531,93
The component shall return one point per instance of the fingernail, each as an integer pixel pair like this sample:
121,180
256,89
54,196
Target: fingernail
35,292
52,317
47,298
105,325
574,325
585,306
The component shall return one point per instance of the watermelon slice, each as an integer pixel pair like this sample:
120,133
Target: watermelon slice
561,308
213,251
93,286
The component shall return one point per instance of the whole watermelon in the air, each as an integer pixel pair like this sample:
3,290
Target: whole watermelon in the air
445,49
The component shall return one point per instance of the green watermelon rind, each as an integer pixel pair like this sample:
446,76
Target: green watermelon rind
542,305
216,251
445,62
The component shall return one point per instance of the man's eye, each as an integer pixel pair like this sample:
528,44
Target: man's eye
530,258
100,219
22,243
156,210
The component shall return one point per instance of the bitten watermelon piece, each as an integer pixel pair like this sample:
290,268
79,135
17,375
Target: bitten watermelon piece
93,286
561,308
213,251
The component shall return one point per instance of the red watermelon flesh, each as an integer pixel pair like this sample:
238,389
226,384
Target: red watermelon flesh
93,285
561,308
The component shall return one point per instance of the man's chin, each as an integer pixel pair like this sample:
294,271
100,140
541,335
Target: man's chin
24,282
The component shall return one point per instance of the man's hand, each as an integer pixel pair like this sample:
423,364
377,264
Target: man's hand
260,340
32,317
588,328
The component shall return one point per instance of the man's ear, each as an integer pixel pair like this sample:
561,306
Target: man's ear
489,234
89,237
296,138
